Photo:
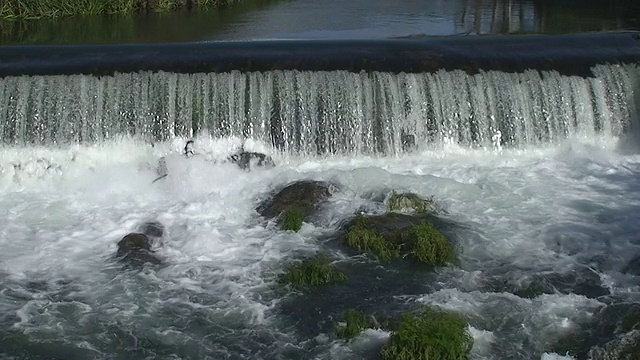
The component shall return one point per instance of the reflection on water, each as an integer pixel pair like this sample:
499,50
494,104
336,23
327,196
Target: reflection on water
547,16
336,19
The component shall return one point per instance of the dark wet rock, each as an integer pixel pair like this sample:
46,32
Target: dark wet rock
612,333
580,280
305,195
633,267
247,159
152,229
626,347
136,247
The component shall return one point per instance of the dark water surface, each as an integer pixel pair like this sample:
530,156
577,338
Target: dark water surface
334,19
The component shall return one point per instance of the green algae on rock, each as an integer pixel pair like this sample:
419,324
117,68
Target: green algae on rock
362,238
355,322
312,272
410,202
429,246
392,235
292,219
429,334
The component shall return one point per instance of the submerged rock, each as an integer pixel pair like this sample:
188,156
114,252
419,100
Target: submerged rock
626,347
244,159
612,333
247,159
393,235
633,267
580,280
410,202
305,196
136,248
152,229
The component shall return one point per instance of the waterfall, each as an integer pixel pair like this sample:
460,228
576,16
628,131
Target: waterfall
313,112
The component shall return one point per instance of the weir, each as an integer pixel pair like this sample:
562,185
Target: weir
341,111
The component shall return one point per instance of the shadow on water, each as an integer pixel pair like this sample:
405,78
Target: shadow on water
179,26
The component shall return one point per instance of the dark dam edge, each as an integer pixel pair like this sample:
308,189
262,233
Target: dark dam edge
568,54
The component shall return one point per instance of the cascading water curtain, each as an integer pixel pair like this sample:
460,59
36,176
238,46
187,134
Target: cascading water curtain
309,112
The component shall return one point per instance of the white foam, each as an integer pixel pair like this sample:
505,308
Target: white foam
554,356
534,208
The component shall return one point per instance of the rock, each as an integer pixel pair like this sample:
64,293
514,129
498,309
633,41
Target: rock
633,267
136,248
431,333
246,159
580,280
625,347
410,202
305,195
612,333
152,229
393,235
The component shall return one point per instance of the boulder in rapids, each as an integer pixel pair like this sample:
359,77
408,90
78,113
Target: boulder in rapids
612,332
245,160
409,202
152,229
633,267
300,197
248,159
136,248
393,235
579,280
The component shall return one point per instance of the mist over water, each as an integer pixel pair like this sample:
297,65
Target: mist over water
537,171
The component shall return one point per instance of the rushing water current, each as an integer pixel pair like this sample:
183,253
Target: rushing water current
539,172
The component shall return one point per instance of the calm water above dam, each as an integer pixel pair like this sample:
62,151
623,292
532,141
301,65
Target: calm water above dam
333,19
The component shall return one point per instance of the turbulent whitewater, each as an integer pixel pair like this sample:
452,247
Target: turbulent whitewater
538,171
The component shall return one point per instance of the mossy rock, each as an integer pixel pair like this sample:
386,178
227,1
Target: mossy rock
312,272
410,202
300,198
429,334
355,322
362,238
391,236
292,219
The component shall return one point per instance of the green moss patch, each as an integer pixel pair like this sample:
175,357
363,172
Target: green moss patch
430,334
292,219
410,202
312,272
356,322
429,246
361,238
380,237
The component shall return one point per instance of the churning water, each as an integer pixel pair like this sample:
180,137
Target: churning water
538,171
